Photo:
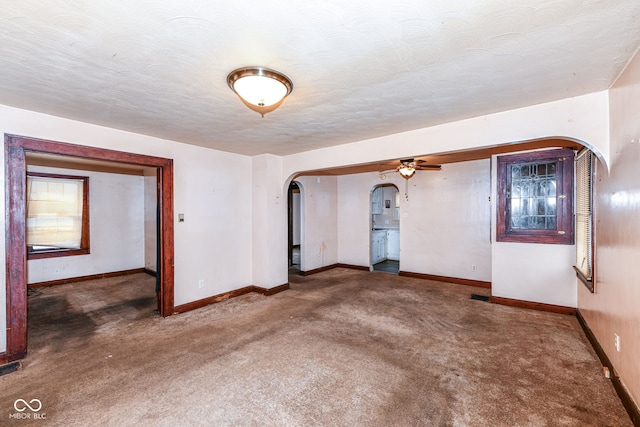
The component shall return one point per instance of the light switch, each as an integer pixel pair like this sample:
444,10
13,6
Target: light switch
180,217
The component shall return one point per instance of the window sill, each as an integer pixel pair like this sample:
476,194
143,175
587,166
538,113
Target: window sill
55,253
587,282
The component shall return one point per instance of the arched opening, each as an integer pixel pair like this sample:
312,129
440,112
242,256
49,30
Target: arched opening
294,208
385,228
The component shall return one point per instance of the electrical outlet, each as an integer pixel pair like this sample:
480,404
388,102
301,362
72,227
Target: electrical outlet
616,342
200,284
474,268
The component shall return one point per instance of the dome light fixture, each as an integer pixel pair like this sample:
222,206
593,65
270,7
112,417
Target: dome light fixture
259,88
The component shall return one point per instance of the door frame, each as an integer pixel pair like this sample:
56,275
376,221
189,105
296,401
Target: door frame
15,227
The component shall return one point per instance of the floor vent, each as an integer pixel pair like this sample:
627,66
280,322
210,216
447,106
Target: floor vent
480,297
10,367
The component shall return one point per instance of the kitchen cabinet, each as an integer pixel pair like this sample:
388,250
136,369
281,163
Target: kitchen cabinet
376,201
378,246
393,245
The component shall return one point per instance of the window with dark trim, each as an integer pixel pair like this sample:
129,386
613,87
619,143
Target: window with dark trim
585,173
535,197
57,210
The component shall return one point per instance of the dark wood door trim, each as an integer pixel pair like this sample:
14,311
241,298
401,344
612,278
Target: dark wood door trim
16,263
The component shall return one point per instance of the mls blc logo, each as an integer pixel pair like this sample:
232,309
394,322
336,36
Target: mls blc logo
34,406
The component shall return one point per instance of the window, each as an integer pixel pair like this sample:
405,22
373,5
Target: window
535,197
585,171
57,215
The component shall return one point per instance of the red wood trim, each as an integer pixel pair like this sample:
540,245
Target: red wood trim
564,205
85,278
85,152
182,308
560,309
3,358
318,270
16,254
271,291
457,281
58,253
627,401
353,267
16,271
165,200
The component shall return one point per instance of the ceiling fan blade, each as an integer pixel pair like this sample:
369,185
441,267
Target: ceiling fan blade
429,167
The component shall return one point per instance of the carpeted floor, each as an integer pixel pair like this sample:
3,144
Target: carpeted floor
341,348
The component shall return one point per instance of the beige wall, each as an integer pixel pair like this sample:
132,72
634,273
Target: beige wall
615,306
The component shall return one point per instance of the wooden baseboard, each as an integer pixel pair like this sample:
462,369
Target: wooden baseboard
3,357
231,294
271,291
560,309
353,267
623,394
150,272
457,281
85,278
211,300
318,270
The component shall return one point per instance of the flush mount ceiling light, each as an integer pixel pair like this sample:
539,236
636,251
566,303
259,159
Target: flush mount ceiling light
259,88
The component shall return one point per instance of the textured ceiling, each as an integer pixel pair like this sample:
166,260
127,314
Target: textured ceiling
360,69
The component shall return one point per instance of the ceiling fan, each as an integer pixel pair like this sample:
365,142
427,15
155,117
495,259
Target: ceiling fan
408,167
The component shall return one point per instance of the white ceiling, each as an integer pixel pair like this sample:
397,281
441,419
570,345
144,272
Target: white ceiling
360,68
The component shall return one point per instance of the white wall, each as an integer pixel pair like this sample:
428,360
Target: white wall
214,242
150,222
444,224
531,272
319,246
615,306
116,221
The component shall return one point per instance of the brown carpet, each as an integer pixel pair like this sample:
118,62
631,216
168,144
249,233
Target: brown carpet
341,348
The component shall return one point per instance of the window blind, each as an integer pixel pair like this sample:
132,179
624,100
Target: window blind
54,212
584,213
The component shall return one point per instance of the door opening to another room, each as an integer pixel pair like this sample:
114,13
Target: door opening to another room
295,225
385,228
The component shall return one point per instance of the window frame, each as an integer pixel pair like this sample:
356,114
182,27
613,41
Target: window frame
589,282
84,238
564,232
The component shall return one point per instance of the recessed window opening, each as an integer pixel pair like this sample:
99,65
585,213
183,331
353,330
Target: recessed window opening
57,208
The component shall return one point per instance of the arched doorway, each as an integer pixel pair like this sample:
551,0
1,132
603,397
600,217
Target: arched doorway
385,228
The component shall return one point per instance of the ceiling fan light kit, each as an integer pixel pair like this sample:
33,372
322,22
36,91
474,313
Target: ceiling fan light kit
260,88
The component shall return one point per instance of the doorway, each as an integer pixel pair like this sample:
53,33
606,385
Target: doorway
385,228
294,199
16,148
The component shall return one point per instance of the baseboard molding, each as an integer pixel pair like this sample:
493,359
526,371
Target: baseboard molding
623,394
3,358
211,300
150,272
560,309
85,278
318,270
457,281
271,291
231,294
353,267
